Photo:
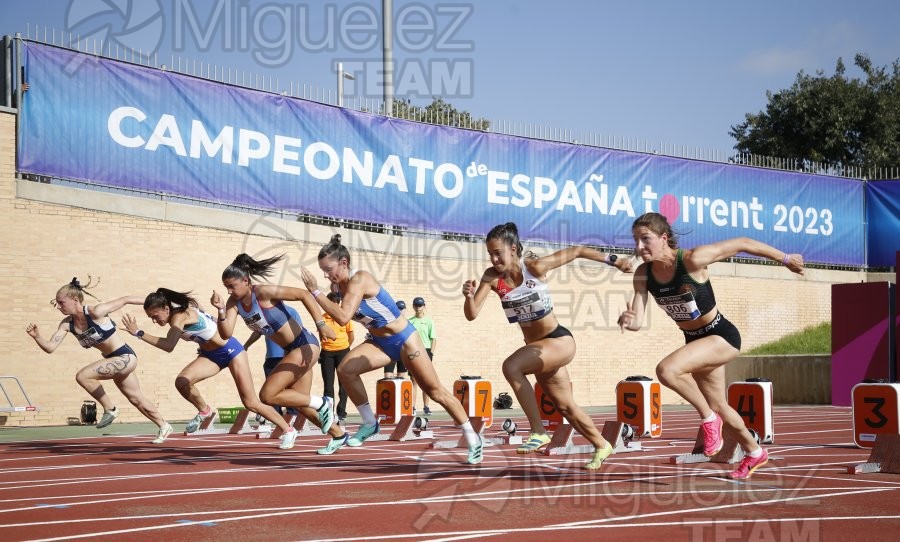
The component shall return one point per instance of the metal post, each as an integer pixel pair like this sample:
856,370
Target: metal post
7,67
387,22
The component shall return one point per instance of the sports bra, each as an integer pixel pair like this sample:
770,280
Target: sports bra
95,333
683,298
200,331
266,320
526,302
376,312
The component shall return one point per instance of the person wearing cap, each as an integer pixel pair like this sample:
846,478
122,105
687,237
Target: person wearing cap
396,369
425,326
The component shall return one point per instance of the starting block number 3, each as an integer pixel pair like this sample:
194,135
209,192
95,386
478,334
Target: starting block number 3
876,411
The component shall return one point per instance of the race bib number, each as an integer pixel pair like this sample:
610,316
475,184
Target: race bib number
680,307
525,309
256,323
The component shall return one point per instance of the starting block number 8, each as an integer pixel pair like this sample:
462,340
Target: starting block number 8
394,399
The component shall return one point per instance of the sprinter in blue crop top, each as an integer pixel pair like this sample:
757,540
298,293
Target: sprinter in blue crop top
520,282
93,328
262,308
678,279
392,337
188,322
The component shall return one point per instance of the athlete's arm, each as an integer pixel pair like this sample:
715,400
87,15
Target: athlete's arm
101,310
50,345
632,318
704,255
476,292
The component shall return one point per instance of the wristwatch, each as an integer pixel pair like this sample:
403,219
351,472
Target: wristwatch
139,334
611,259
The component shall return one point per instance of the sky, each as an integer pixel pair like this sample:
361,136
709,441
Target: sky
661,72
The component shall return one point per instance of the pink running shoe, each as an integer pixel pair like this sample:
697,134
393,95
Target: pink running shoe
712,437
748,465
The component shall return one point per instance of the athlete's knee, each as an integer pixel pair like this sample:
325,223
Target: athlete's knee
268,396
666,373
345,372
183,385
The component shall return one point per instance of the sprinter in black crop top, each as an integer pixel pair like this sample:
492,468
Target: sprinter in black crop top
678,280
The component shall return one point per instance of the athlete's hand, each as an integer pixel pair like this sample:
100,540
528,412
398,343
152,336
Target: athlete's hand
130,323
217,301
626,318
469,287
794,263
309,280
32,331
623,264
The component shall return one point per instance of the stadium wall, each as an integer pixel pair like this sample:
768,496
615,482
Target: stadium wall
134,245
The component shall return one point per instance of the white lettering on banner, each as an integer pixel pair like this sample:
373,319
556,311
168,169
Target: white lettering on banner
545,191
114,126
166,133
247,151
223,142
130,127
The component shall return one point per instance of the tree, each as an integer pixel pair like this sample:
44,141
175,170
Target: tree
833,121
439,112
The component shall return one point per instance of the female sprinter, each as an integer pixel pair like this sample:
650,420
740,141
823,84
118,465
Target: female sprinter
93,327
525,297
391,337
262,308
186,321
678,279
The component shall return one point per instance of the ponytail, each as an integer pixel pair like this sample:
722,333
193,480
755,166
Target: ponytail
175,301
244,267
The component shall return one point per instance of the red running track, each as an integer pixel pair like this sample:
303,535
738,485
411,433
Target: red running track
236,487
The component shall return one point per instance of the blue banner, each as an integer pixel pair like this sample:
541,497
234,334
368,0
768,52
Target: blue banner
883,222
123,125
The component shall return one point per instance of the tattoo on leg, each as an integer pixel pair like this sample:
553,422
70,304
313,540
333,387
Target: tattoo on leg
414,355
114,365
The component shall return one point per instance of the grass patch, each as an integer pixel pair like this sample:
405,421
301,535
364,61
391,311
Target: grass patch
812,340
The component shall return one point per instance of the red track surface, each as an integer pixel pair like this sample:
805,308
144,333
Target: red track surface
236,487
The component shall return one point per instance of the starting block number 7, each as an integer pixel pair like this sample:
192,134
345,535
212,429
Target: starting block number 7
475,396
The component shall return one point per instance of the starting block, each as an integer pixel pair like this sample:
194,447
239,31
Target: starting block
240,426
876,412
477,425
618,434
752,399
475,396
12,407
394,399
730,452
510,438
638,405
408,428
304,427
885,457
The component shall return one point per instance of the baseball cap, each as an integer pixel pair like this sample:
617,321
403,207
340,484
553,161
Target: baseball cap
401,305
418,302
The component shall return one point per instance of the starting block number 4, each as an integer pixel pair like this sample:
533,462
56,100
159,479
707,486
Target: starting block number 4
475,396
876,411
638,405
394,399
752,400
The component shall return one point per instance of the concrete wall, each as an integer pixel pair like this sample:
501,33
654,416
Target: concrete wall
800,379
135,245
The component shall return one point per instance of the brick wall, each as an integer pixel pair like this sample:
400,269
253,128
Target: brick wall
136,245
